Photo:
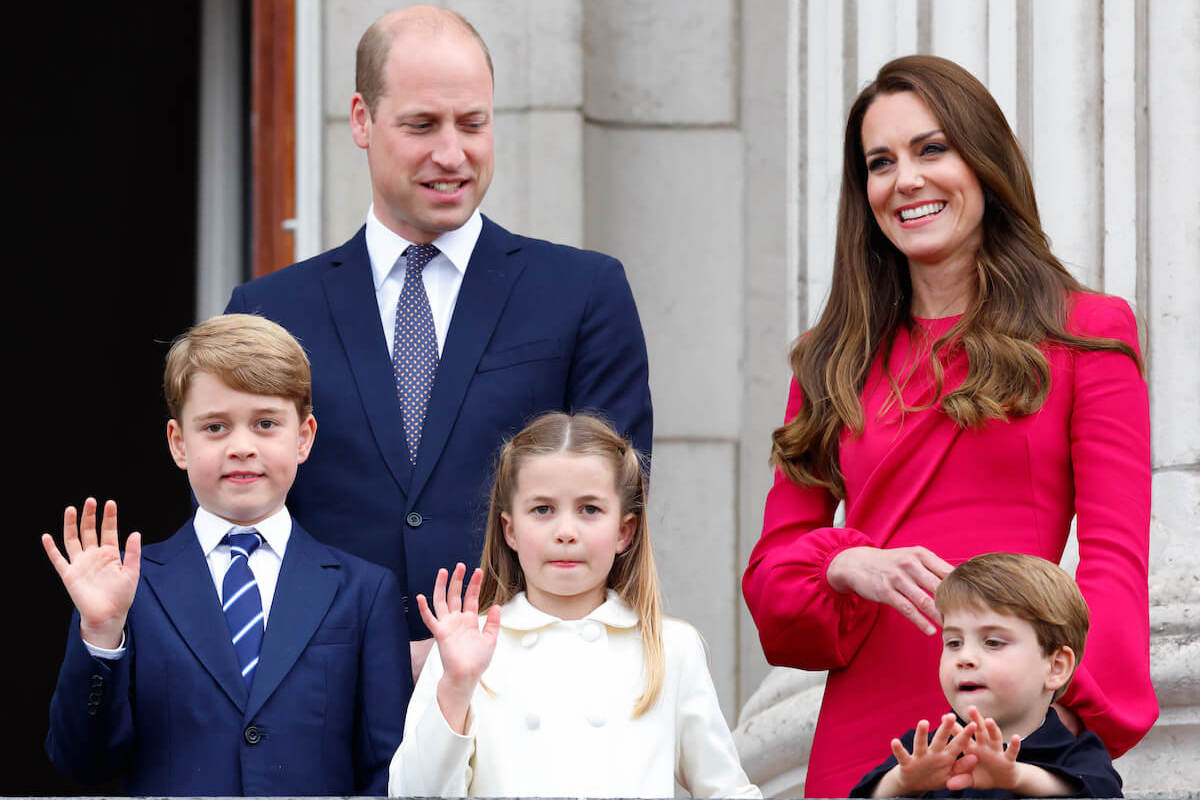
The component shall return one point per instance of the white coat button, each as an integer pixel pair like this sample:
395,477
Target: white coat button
595,720
533,721
529,639
590,631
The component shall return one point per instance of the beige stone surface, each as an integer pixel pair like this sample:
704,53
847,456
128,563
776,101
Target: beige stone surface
670,62
668,203
347,184
766,299
535,46
691,521
538,186
344,22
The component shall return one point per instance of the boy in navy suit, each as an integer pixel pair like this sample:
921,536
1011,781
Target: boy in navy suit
246,658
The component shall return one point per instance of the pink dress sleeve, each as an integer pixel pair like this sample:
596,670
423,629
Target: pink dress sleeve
1110,455
802,622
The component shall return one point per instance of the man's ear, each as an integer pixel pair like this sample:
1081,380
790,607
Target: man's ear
308,432
175,442
360,121
1062,665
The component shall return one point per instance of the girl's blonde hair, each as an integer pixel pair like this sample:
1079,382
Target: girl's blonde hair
633,575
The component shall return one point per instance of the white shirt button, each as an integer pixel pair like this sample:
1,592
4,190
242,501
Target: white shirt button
529,639
590,631
596,720
533,721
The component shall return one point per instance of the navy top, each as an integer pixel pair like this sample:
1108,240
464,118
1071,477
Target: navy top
1084,762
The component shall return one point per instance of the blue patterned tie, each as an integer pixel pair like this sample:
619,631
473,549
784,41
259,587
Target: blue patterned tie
415,348
241,601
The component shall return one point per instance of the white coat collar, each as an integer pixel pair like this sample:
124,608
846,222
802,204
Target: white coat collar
518,615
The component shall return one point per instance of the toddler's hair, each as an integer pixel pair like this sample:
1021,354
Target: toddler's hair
248,353
633,575
1031,588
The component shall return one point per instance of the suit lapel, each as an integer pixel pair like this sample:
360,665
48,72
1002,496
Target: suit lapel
308,581
178,574
490,276
350,292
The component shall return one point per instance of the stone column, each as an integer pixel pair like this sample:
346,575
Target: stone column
663,191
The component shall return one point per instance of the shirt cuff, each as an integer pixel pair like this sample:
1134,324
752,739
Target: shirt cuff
105,653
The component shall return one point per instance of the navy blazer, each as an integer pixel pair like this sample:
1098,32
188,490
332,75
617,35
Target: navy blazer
537,327
325,712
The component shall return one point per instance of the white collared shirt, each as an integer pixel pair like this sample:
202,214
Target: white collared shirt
442,276
265,562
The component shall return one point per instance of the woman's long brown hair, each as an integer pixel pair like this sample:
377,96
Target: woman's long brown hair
633,575
1020,289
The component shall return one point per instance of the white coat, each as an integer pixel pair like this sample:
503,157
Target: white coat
558,719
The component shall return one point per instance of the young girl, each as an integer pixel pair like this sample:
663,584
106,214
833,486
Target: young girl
571,683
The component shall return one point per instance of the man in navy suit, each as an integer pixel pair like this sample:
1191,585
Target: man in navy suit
522,326
246,657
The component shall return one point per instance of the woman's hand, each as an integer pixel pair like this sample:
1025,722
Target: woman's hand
904,578
465,649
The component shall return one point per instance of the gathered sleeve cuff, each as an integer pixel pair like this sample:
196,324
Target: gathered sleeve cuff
802,621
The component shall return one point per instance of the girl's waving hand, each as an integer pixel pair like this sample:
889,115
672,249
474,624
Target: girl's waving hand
465,648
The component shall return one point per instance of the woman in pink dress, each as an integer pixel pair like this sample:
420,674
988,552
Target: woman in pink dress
963,394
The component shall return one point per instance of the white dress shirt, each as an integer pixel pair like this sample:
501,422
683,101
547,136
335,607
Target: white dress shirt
556,717
265,562
442,276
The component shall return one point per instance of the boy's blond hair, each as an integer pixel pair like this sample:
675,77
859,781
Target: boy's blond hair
248,353
1031,588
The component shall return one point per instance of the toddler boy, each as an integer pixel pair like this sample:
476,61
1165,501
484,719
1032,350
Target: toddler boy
246,658
1014,628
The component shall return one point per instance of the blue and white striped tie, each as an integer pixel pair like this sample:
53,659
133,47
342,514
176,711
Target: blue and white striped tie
241,601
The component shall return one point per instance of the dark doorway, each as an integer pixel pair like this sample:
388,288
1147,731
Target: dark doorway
107,232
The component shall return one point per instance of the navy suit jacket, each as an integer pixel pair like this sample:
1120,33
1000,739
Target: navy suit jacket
537,327
325,712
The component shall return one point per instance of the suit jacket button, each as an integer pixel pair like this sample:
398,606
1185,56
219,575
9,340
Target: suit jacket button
252,735
414,519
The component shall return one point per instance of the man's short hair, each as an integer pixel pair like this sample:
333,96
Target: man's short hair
370,62
247,352
1023,586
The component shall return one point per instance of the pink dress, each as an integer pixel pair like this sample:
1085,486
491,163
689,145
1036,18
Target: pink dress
1010,486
